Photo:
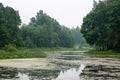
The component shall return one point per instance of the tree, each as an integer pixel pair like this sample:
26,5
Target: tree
78,36
45,31
94,4
9,22
66,38
101,26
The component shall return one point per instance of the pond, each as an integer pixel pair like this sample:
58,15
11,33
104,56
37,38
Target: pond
63,71
67,66
70,74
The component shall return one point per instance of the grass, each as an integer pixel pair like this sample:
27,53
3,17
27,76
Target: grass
64,49
22,53
109,54
34,52
52,49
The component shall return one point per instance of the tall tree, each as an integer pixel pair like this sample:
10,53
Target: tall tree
101,26
9,22
47,32
78,36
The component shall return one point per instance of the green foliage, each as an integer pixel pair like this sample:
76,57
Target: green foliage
9,22
44,31
10,48
101,26
22,53
77,36
109,54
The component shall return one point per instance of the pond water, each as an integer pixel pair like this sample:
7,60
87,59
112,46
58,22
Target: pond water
65,69
23,76
70,74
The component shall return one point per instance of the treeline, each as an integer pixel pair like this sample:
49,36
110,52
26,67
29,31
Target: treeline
42,31
78,37
101,27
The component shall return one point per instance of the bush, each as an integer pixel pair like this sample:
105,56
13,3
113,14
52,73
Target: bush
10,47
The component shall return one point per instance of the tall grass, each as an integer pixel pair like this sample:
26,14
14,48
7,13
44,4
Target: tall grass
63,49
109,54
22,53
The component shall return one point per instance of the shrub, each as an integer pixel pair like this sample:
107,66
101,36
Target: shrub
10,47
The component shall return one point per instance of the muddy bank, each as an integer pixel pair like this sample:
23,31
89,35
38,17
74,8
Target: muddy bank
31,63
25,74
101,72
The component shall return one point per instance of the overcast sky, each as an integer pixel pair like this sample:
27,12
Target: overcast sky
67,12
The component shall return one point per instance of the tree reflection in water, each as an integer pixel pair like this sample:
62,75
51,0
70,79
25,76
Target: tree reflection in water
71,74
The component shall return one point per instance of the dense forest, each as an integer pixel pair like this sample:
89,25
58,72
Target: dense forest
101,27
42,31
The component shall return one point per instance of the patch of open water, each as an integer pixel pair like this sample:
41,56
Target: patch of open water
70,74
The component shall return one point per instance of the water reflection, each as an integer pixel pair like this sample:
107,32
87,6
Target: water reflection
71,74
23,76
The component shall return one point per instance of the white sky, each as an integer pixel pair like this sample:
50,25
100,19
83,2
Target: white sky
67,12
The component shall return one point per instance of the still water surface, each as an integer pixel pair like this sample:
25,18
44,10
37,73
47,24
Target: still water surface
70,74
